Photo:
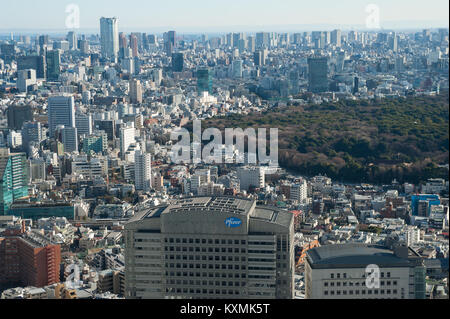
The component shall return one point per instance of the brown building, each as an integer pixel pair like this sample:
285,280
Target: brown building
28,259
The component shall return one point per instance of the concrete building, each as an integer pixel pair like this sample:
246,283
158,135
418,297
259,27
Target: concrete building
28,259
251,177
339,272
209,247
143,171
61,111
109,37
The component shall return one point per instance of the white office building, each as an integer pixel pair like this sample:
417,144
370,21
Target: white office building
142,171
127,137
251,177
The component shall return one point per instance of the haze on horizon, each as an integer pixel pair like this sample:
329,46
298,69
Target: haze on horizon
216,16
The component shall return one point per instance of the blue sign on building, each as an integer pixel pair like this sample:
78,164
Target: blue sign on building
233,222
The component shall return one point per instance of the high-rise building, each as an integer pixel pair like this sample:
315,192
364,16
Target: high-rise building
53,64
17,115
251,177
177,62
61,111
83,123
237,68
142,171
25,79
135,91
134,45
318,74
13,178
393,42
109,37
336,37
210,247
339,272
73,41
170,42
204,81
70,139
31,133
28,259
35,62
43,43
127,137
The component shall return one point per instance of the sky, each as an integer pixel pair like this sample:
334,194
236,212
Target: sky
220,15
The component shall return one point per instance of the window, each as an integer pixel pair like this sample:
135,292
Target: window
388,275
326,293
332,276
325,284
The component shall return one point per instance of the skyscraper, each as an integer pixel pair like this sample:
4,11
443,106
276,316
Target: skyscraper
336,37
142,171
170,42
83,123
134,45
127,137
177,62
36,62
13,178
204,80
210,247
17,115
237,68
53,64
135,91
61,111
70,139
73,42
318,74
31,133
109,37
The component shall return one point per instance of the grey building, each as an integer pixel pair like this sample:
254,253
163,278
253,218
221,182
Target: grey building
318,74
210,247
339,272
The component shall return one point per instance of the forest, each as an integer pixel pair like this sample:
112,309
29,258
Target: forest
359,141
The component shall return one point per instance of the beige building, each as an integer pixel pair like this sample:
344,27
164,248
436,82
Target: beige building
210,247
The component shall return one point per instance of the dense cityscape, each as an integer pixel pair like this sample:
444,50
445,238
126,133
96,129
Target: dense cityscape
93,206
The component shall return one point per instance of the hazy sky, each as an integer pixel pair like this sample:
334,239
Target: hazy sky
198,14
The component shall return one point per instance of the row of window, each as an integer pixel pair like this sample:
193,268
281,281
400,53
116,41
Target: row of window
205,258
192,274
206,249
344,275
207,283
357,284
203,291
362,292
205,241
205,266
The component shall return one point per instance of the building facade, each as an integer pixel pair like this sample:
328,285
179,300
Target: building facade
210,247
339,272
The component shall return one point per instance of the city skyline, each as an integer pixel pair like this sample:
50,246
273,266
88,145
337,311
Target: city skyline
249,16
